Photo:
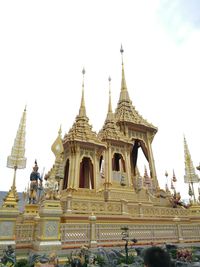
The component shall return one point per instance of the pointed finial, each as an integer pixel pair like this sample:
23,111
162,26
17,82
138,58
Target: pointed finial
83,72
109,105
109,79
60,131
82,111
122,51
174,177
184,139
25,108
124,93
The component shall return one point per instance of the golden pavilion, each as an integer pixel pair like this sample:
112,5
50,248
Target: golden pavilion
94,188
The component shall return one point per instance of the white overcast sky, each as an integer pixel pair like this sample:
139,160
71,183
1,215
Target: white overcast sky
44,46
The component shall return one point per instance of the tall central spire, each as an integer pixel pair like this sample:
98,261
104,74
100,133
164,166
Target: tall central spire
125,111
82,111
124,92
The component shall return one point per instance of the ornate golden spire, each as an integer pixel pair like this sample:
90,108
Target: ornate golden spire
17,158
82,111
81,129
190,175
110,130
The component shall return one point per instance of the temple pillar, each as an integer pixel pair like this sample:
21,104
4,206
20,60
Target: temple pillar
69,203
8,217
107,172
48,232
93,241
106,167
76,173
151,162
124,206
71,171
128,168
179,232
96,172
109,165
140,210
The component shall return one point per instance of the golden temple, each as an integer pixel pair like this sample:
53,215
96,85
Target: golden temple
95,188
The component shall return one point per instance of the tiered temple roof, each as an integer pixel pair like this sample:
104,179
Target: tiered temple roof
125,111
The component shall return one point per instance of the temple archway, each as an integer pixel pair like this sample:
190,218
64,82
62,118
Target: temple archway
118,163
86,179
139,156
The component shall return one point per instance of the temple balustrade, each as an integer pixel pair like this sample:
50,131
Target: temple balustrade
95,222
76,233
110,234
25,233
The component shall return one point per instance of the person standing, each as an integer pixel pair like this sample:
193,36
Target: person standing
156,257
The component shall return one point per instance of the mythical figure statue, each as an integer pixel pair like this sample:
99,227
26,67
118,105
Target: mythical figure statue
53,260
34,184
175,200
9,257
51,188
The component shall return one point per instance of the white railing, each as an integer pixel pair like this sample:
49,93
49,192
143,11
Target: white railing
74,233
109,234
190,231
142,233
